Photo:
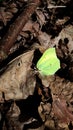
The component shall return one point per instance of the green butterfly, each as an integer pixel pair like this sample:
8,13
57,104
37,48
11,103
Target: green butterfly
48,64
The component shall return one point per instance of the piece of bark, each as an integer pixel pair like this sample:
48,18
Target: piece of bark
8,40
14,81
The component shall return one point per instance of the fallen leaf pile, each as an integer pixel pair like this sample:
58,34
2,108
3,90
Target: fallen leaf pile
29,100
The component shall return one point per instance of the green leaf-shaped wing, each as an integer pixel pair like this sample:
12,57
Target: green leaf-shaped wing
48,64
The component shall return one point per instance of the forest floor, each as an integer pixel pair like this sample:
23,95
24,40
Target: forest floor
28,100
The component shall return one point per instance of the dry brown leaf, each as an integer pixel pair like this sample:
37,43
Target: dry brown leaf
13,80
67,32
59,86
40,17
61,109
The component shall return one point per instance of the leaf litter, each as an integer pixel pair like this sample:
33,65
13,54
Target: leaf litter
27,99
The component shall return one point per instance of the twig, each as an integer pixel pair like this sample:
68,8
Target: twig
8,40
57,6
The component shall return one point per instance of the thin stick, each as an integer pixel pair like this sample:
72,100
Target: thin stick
57,6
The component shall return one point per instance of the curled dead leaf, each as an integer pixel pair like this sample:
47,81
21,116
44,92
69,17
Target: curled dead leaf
13,80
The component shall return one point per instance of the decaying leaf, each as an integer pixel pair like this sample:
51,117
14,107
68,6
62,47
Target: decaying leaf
13,80
67,33
61,110
62,95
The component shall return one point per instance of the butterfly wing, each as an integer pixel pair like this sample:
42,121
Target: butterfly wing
48,63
